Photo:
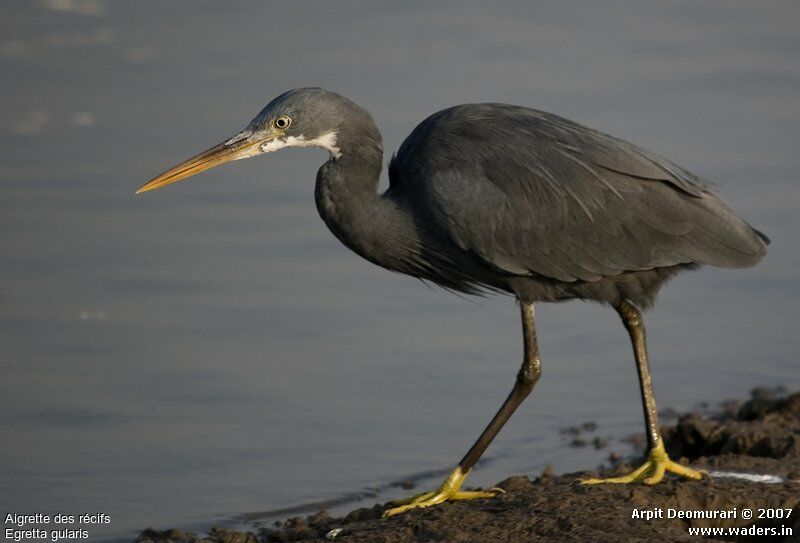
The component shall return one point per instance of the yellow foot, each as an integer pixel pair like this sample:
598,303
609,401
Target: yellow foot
652,471
448,491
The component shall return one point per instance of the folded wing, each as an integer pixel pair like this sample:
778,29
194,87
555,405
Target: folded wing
533,193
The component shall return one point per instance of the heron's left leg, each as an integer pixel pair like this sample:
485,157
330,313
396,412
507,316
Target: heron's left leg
652,471
526,378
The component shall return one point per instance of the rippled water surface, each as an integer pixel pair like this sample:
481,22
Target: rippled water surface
210,350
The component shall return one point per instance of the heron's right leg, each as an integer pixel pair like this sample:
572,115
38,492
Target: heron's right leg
657,463
526,378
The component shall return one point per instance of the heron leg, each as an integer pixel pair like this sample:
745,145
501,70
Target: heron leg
658,463
527,377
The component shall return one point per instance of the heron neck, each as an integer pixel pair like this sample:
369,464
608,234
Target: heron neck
348,201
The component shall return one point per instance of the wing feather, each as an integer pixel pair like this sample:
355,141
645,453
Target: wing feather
533,193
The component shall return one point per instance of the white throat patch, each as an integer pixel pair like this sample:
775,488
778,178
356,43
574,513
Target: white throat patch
326,141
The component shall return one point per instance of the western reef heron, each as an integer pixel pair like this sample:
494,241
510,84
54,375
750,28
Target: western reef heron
501,198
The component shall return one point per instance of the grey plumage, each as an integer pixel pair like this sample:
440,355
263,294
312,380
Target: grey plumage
540,199
500,197
492,197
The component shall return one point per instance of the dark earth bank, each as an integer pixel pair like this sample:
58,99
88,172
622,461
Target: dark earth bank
759,436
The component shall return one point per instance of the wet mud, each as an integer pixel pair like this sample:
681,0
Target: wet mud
760,437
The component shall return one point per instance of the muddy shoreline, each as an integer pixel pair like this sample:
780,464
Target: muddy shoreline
759,436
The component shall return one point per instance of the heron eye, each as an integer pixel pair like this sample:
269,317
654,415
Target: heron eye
283,122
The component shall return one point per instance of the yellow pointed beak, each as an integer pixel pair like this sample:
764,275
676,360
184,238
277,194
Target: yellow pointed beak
240,146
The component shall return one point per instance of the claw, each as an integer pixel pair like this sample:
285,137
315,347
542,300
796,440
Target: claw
447,492
652,471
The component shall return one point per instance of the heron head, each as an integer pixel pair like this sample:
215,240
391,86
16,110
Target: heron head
308,117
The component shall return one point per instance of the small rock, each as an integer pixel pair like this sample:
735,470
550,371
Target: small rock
223,535
363,513
321,518
571,431
407,484
515,484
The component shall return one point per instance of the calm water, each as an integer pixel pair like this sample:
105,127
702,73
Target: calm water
210,350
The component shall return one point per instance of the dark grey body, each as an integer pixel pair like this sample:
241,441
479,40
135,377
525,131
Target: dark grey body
492,197
499,197
506,198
